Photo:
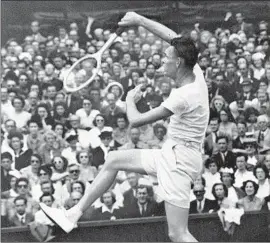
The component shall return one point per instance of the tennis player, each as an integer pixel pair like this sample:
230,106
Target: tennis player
179,161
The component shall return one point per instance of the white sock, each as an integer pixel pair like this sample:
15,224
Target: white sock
74,214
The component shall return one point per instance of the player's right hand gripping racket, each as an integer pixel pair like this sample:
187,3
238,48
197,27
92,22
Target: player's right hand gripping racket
84,71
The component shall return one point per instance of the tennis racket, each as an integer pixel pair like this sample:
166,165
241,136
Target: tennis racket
84,71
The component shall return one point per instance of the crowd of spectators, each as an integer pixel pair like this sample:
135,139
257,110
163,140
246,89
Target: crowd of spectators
54,143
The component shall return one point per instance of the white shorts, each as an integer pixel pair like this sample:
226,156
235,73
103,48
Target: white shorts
175,167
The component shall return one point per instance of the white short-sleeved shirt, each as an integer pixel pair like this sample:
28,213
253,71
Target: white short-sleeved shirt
190,106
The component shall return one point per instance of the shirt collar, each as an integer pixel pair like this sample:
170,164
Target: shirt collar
104,208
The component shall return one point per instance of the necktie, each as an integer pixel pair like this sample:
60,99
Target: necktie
143,210
261,137
135,146
200,207
22,220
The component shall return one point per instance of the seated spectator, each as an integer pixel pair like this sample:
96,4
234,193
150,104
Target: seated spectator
88,171
112,110
60,112
201,204
6,161
251,119
20,155
134,142
73,148
211,176
34,139
263,134
144,206
120,132
227,178
101,152
226,127
21,216
241,173
77,186
43,116
160,136
51,148
11,193
83,135
59,166
220,193
146,133
60,130
210,143
250,202
217,103
100,126
267,162
110,210
130,195
18,114
31,171
225,157
87,114
22,188
239,106
238,142
40,216
261,173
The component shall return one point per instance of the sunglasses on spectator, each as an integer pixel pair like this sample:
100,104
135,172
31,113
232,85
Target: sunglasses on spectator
68,45
22,186
74,171
83,156
57,161
100,120
23,79
198,192
86,103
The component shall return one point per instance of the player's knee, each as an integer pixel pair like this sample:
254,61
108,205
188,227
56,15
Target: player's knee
111,161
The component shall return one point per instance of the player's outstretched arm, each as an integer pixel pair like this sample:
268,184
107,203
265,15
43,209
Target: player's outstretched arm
132,18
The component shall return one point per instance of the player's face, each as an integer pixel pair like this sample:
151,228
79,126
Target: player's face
169,63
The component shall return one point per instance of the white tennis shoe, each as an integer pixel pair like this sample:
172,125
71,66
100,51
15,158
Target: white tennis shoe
65,219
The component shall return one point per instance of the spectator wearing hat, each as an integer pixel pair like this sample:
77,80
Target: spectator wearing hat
83,135
258,62
106,145
263,134
71,151
246,89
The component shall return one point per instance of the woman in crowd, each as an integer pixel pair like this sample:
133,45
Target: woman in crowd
88,172
217,103
99,126
43,115
120,133
78,186
60,112
118,90
250,202
220,192
59,166
261,173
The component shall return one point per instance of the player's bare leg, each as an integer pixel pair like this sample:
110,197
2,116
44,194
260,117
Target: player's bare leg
128,160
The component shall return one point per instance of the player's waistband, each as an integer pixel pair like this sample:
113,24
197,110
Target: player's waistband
190,144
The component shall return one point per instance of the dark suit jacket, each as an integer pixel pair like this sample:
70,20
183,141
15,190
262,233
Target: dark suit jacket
14,221
230,160
99,156
209,146
75,104
129,197
23,160
133,211
238,144
208,205
111,118
248,29
5,180
265,204
99,215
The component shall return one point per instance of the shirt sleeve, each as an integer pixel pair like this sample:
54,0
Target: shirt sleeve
175,103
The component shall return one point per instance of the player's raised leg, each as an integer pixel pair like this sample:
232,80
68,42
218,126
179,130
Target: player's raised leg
128,160
178,223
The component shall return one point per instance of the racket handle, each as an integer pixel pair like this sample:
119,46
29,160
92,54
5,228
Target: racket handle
119,30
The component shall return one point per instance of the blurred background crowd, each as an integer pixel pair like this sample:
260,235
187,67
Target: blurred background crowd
54,143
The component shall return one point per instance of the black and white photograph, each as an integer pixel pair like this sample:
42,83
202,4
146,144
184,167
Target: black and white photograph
135,121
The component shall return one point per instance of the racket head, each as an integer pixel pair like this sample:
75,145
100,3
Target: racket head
82,72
